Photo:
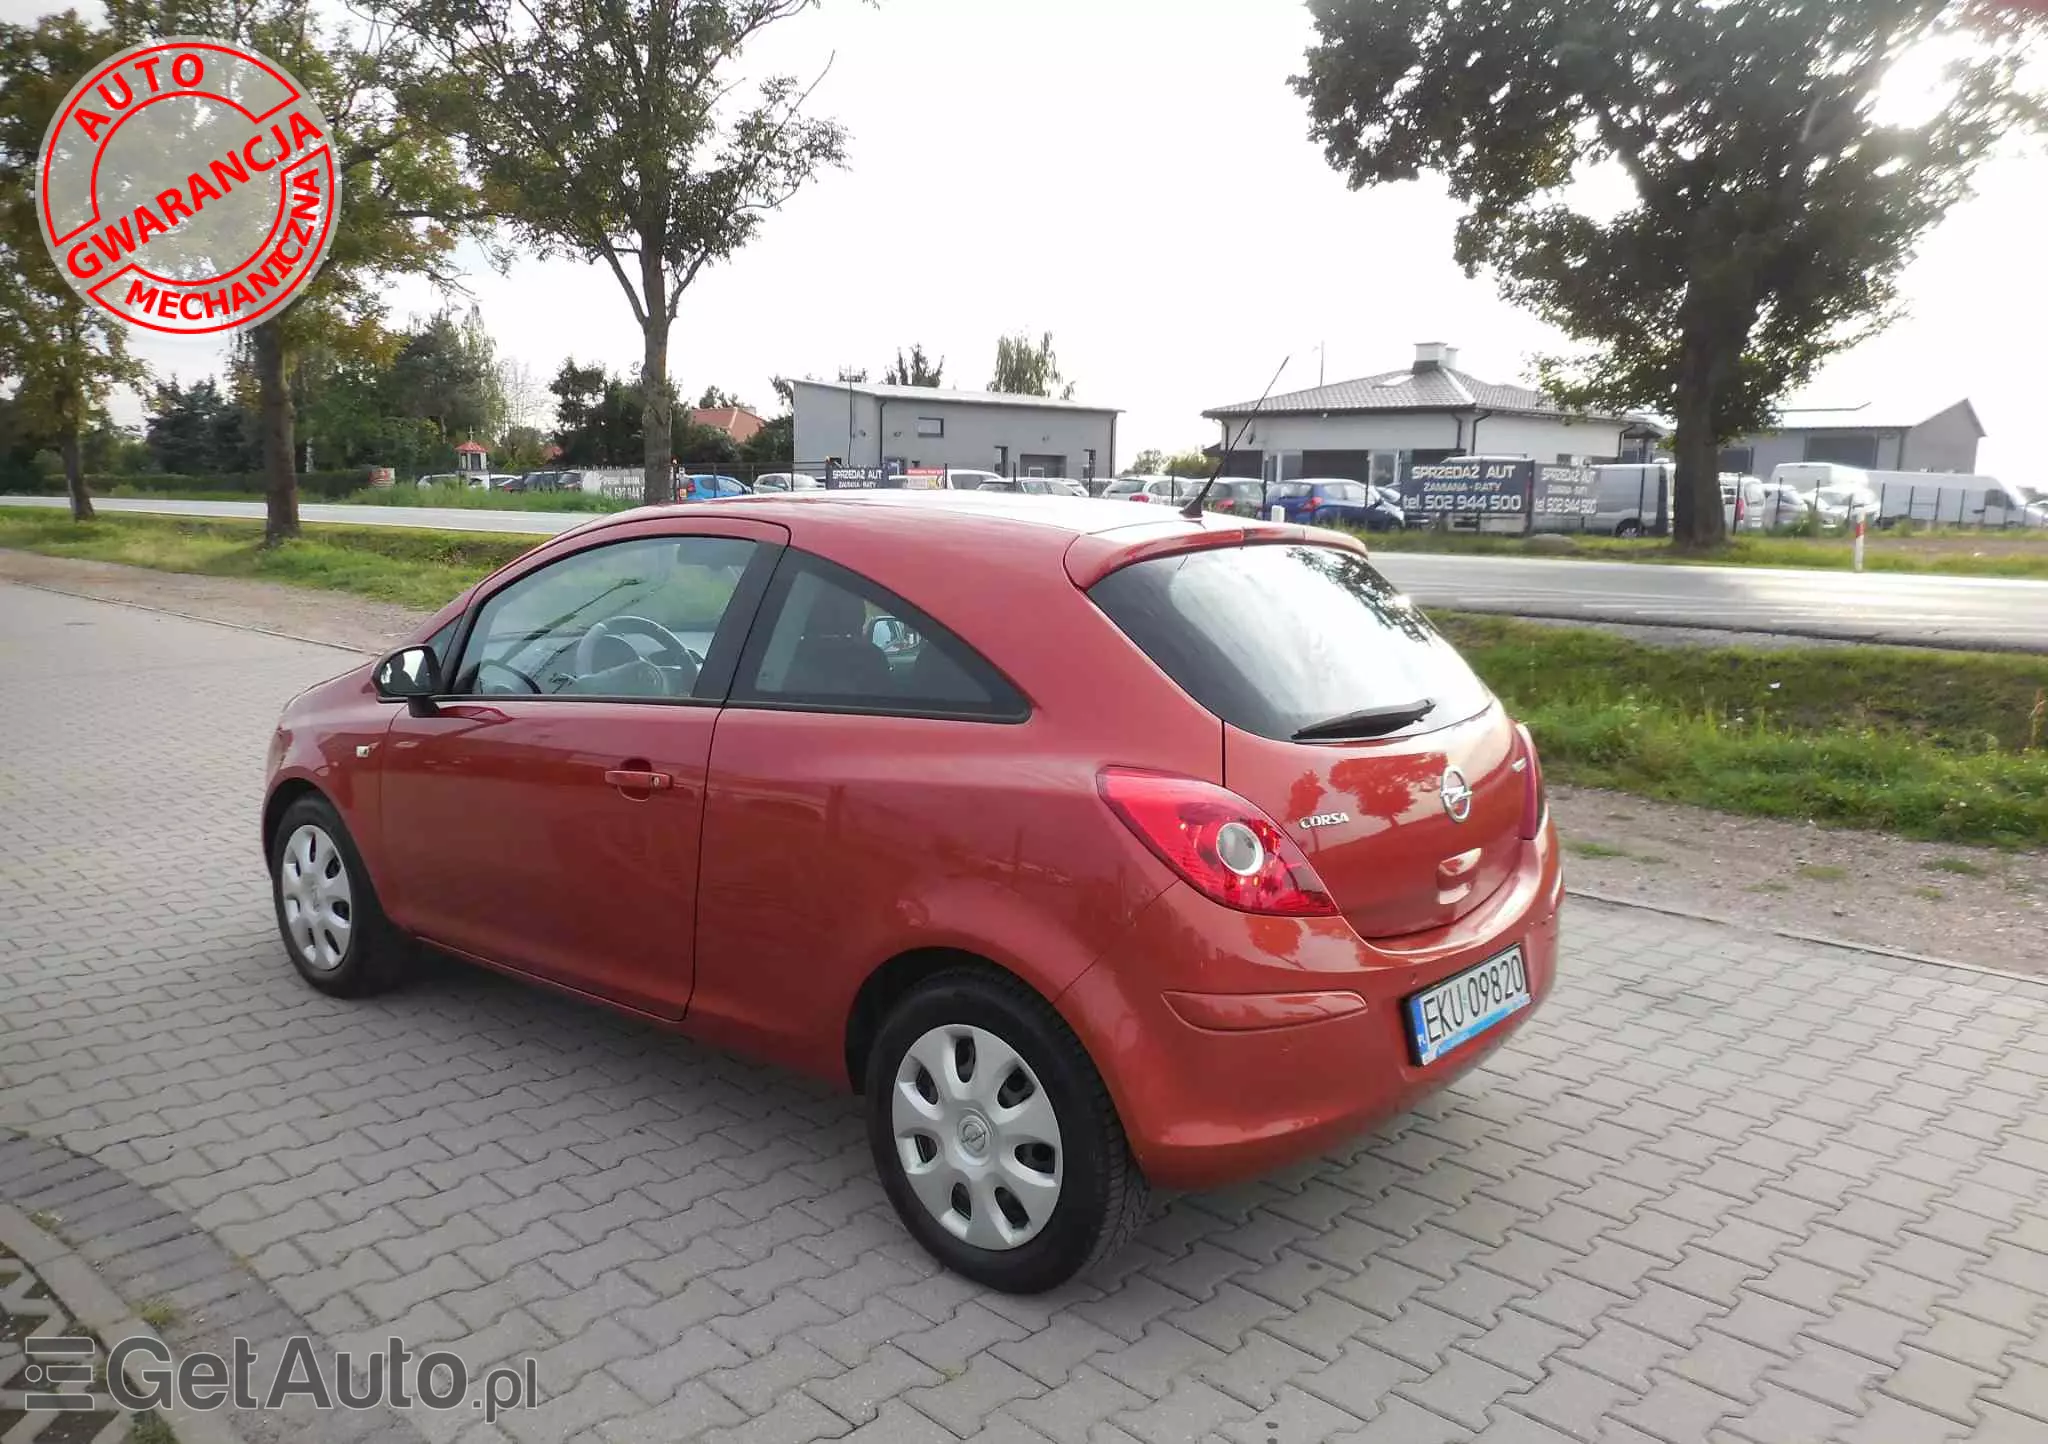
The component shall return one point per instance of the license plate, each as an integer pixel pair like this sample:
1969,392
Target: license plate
1459,1009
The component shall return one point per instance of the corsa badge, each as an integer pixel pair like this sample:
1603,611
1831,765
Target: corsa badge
1325,819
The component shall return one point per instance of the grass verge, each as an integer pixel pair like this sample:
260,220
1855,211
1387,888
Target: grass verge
1946,746
392,564
1952,553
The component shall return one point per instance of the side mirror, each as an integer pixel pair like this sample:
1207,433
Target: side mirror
408,674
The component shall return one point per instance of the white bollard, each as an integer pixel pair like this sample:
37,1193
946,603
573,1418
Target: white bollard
1858,549
1279,513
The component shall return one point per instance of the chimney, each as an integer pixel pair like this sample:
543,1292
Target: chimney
1435,356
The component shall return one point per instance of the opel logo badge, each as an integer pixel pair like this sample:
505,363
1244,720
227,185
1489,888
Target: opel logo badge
1456,793
973,1135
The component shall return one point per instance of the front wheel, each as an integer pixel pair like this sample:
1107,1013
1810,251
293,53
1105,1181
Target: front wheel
327,912
995,1137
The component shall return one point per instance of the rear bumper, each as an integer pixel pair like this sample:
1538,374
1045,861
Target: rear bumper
1208,1105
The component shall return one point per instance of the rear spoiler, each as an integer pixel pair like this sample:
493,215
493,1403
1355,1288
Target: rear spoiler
1094,555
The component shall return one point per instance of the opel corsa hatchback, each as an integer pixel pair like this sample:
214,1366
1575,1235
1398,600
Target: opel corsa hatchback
1099,850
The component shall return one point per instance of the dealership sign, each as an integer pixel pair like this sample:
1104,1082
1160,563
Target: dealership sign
1509,489
188,186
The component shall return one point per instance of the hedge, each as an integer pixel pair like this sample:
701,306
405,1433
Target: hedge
311,483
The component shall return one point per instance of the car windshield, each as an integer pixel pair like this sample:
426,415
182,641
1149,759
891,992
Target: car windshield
1275,639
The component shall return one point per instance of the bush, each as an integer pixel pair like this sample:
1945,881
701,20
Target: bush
317,484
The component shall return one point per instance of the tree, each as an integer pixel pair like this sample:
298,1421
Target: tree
195,430
404,200
1027,368
1149,462
1192,462
61,355
524,396
1773,204
916,370
447,373
611,132
773,445
714,399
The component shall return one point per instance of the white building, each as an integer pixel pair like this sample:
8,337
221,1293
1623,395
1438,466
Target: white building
1365,429
868,425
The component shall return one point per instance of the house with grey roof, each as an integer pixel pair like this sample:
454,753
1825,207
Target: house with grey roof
1865,436
1365,429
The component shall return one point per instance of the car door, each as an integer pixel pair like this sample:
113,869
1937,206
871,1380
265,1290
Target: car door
544,815
820,816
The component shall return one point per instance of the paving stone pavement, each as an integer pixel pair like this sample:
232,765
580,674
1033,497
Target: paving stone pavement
1726,1187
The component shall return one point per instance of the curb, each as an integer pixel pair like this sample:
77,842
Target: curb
1876,950
97,1307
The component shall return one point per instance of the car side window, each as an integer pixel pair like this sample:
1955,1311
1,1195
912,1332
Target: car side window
633,619
840,642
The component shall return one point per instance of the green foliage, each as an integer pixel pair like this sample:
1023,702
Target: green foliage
715,399
598,417
1771,208
620,133
196,430
773,445
446,373
1149,462
1187,463
915,369
60,356
1028,368
1926,744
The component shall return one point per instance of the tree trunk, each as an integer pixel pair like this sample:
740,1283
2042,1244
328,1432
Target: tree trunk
274,429
1697,518
656,415
74,476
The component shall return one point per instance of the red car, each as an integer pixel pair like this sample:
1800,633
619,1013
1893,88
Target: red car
1100,850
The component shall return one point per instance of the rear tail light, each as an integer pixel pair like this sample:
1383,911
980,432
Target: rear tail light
1312,503
1227,849
1139,496
1534,800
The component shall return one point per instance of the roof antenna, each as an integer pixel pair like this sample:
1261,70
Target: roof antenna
1193,510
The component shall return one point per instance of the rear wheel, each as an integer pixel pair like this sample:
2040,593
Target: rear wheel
995,1137
327,912
1631,527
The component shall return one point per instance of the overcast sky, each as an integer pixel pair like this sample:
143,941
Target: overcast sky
1136,177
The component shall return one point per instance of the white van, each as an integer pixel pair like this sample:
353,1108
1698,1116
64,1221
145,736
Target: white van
1940,498
1632,499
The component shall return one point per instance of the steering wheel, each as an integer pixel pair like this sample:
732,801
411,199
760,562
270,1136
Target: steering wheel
672,651
524,681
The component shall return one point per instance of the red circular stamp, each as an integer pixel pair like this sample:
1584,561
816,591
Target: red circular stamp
189,186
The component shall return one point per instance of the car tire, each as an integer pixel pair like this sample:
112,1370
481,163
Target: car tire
1629,528
333,929
1021,1066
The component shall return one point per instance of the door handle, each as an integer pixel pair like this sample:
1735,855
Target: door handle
628,780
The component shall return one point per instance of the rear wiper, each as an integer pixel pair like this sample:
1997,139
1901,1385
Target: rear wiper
1372,722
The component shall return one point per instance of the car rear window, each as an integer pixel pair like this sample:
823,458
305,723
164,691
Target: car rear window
1275,638
1290,488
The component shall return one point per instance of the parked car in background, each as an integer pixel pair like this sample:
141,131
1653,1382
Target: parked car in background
1167,489
1299,877
1238,495
1035,486
958,480
440,478
787,481
1741,495
1783,506
1842,506
1335,502
707,486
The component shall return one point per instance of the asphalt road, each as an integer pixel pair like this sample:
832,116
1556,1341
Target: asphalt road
1936,611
